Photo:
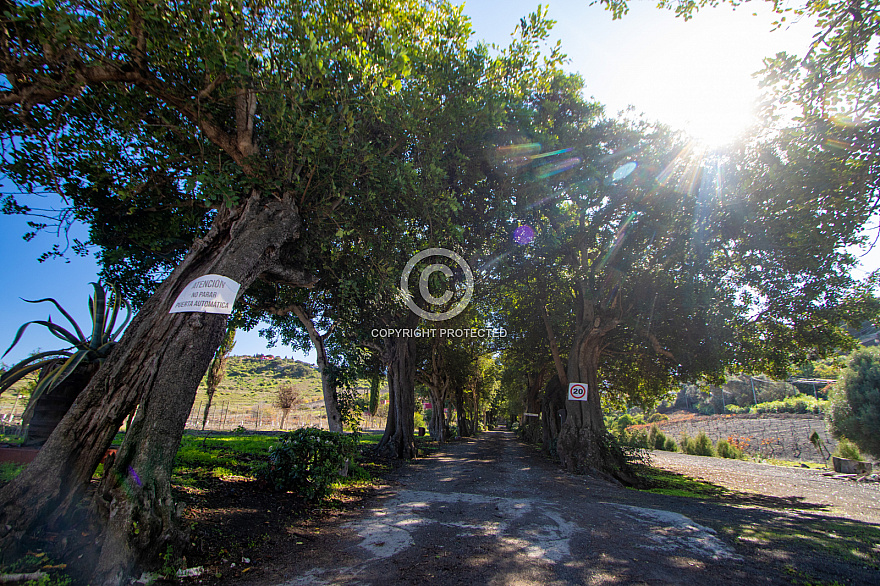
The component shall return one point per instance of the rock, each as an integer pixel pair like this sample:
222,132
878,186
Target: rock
846,466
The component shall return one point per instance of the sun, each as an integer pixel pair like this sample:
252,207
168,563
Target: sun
720,119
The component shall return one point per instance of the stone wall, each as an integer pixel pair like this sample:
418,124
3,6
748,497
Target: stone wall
783,435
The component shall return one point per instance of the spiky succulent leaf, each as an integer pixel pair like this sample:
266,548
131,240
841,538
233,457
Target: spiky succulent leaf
97,306
89,350
57,376
61,333
29,365
79,332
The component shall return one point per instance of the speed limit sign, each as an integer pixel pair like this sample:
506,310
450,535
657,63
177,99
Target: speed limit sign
577,391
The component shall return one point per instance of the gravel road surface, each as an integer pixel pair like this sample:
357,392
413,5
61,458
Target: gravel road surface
495,511
856,500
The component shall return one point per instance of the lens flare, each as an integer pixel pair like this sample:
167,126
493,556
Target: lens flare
623,171
519,155
134,475
524,235
618,240
545,171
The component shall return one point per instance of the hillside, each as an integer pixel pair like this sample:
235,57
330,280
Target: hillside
246,395
252,382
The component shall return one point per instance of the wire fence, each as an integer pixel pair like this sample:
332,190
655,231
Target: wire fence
264,417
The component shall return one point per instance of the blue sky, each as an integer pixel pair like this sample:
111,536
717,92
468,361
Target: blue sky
693,75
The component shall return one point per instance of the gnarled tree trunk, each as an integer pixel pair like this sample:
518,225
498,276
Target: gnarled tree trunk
437,381
531,425
464,426
158,362
582,443
398,441
438,426
553,413
331,402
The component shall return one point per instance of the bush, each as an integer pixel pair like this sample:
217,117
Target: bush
655,417
703,445
705,409
637,438
686,444
621,423
736,409
725,450
307,461
698,446
847,449
419,420
670,445
656,438
795,404
855,402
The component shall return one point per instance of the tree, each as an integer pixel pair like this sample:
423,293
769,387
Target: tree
287,397
671,274
217,370
855,401
248,109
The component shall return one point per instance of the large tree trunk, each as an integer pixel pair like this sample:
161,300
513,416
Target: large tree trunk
553,411
583,444
158,362
464,429
438,426
437,382
398,441
531,425
331,401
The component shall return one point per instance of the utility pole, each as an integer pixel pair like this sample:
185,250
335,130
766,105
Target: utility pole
754,396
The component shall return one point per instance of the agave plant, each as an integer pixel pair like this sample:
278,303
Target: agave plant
58,365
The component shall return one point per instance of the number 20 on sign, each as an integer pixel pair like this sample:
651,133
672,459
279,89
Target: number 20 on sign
577,391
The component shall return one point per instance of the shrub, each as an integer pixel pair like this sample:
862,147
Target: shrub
686,443
703,445
670,445
655,417
419,420
847,449
705,409
656,438
855,402
796,404
621,423
307,461
698,446
736,409
636,438
725,450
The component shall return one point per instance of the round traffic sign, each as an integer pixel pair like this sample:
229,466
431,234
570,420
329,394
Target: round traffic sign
577,391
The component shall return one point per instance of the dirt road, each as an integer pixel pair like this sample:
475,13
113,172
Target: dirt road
493,511
860,501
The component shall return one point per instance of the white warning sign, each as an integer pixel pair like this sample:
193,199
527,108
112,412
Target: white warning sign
208,294
577,391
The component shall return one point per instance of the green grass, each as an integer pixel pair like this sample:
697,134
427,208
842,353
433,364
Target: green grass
8,438
844,539
370,439
672,484
38,562
9,470
199,458
791,464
